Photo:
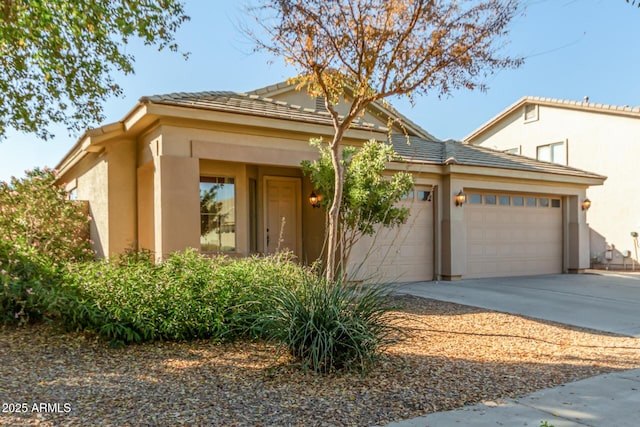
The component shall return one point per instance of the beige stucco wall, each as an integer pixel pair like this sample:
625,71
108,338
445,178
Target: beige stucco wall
106,179
92,187
146,216
122,190
603,143
177,204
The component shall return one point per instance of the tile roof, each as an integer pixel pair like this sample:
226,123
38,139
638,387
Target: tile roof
559,103
385,108
250,104
454,152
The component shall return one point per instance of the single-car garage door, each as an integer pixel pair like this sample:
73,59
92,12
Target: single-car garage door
513,235
399,254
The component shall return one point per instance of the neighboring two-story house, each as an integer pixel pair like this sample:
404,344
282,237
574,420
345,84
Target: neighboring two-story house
220,172
601,138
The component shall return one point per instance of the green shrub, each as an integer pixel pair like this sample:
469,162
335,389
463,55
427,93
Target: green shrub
36,214
249,284
330,326
40,232
27,283
185,297
189,296
112,300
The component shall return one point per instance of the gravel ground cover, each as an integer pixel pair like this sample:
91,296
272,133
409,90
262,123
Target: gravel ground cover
452,355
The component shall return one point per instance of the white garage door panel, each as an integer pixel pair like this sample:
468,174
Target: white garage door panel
513,240
402,253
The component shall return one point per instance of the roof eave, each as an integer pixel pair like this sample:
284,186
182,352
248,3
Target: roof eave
519,174
235,118
92,140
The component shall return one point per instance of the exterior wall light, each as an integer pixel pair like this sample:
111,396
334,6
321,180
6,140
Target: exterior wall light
314,200
586,204
460,198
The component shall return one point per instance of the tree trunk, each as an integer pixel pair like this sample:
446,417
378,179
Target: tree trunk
334,211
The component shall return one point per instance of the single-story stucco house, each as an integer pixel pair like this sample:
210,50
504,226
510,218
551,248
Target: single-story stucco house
220,172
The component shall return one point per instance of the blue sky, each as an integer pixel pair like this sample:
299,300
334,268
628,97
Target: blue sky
573,48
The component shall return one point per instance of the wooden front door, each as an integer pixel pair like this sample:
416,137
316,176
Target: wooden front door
283,228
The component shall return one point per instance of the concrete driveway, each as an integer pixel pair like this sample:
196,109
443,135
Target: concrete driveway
605,301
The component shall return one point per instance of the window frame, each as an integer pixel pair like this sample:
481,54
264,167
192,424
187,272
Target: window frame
216,180
551,152
534,115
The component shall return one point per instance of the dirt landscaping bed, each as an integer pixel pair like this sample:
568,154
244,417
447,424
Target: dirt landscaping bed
453,355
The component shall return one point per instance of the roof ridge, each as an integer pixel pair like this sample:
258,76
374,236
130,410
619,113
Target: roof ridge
271,88
174,95
584,103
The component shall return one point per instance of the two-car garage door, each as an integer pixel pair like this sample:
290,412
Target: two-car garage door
513,235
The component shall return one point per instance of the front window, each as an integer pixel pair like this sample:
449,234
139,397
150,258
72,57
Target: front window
217,214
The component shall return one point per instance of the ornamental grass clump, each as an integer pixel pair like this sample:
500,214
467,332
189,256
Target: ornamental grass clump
328,326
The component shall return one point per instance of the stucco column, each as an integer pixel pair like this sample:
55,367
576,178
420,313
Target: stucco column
454,233
121,181
177,204
578,234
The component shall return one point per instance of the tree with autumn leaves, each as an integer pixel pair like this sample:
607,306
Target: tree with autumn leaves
363,51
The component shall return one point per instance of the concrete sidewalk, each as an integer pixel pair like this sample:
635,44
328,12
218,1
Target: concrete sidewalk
609,400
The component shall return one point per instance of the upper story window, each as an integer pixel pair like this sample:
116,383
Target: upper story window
530,113
217,214
556,153
515,150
